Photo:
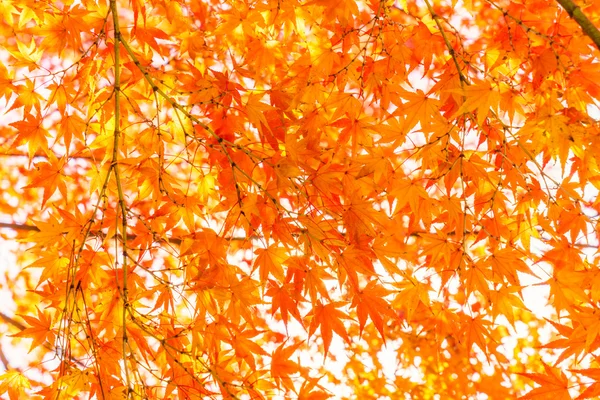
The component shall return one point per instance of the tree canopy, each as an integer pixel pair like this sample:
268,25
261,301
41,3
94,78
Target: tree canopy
305,199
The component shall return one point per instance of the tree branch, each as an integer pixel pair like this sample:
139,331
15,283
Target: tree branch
19,227
176,241
582,20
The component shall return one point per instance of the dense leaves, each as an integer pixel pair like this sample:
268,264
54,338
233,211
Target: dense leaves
303,199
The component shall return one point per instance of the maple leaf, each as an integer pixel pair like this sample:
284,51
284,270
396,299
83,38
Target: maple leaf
149,35
28,97
73,384
544,65
55,34
353,129
7,10
71,125
479,98
213,184
311,280
40,329
244,297
420,109
283,301
409,192
27,55
592,391
60,97
308,392
49,177
6,83
476,331
281,365
329,319
269,261
505,264
245,348
370,302
410,295
504,300
553,384
15,383
31,131
566,288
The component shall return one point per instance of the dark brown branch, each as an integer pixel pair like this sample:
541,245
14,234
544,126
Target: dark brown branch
17,324
45,156
582,20
4,359
19,227
176,241
12,321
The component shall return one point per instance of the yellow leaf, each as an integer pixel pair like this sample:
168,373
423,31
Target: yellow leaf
15,383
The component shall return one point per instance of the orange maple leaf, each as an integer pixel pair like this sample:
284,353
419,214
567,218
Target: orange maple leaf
371,302
284,301
479,98
282,366
31,131
421,108
329,318
593,391
269,261
554,385
39,330
49,177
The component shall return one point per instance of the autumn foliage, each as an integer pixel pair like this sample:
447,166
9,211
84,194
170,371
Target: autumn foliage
301,199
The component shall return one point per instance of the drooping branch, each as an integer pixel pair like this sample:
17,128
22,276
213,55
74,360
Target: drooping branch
582,20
